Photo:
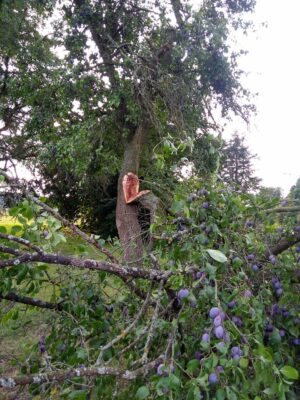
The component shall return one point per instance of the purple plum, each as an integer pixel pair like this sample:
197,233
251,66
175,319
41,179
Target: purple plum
238,322
235,350
249,224
285,313
42,345
199,274
213,378
214,312
202,192
272,259
231,304
182,293
269,328
206,338
275,310
247,293
279,292
219,332
277,285
218,321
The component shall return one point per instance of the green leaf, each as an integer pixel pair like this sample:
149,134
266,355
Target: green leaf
81,353
142,393
173,381
3,229
77,395
2,179
23,270
217,255
244,362
220,395
289,372
192,365
265,355
230,394
177,206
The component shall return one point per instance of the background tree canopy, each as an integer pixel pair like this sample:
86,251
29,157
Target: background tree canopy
93,78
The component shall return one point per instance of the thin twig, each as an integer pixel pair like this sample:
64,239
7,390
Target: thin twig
144,358
126,330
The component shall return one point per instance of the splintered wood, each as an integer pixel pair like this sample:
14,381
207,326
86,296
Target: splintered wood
131,186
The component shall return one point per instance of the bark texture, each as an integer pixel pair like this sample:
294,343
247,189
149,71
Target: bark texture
129,230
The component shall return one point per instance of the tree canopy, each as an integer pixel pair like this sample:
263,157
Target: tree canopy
105,87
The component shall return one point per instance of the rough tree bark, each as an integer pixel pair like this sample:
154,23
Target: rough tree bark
127,222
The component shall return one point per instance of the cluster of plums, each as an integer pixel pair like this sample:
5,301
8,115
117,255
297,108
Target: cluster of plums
277,286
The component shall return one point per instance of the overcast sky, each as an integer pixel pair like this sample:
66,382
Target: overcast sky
273,64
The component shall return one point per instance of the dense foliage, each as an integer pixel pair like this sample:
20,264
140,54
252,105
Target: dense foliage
77,87
222,324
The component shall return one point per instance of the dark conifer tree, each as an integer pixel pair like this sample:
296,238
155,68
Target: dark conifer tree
236,168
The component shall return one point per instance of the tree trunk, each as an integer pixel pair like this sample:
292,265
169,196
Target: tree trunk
127,223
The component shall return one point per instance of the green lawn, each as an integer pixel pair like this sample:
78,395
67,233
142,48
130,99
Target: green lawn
8,222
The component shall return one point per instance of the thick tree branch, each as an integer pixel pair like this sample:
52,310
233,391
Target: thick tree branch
58,259
60,376
177,6
21,241
282,210
10,250
17,298
283,245
30,301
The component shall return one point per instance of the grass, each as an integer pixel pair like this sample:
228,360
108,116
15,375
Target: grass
8,222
